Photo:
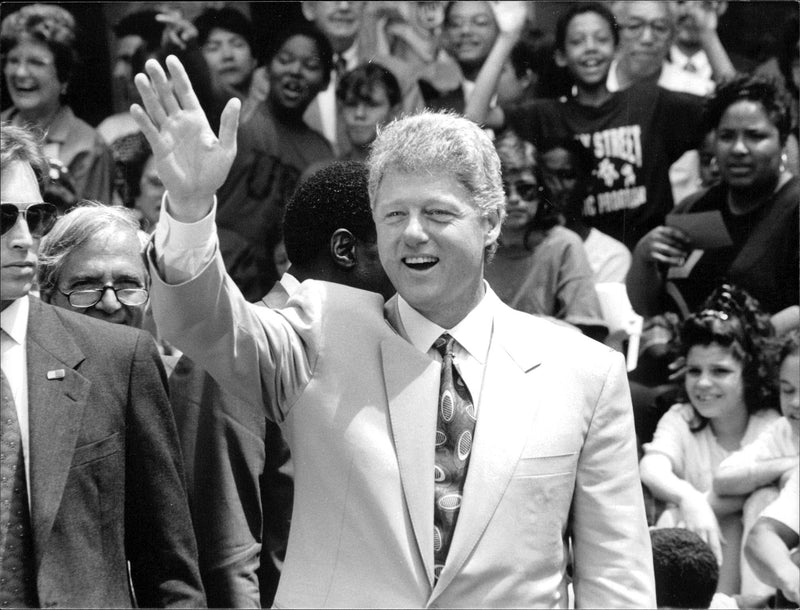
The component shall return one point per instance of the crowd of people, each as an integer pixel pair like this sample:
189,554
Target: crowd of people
432,308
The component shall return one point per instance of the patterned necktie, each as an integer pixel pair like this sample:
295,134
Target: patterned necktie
455,426
17,583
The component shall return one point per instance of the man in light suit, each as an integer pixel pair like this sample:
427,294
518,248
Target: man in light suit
97,513
357,394
237,465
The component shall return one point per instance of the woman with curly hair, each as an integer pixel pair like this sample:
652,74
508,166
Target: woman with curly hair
729,400
38,56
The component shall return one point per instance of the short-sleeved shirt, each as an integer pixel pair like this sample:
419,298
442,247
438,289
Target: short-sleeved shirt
695,455
634,137
784,509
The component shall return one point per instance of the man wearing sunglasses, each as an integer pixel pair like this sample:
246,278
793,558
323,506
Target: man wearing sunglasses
91,262
93,509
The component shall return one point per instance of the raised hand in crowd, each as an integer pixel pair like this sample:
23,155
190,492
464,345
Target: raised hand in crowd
191,161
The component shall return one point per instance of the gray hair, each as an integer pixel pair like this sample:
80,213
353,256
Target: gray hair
431,142
78,226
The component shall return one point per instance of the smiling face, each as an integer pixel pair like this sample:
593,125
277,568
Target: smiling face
363,116
588,49
17,247
295,74
469,32
714,381
431,240
32,80
109,259
789,377
229,57
748,147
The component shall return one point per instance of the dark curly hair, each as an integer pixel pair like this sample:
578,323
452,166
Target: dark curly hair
730,317
332,198
761,89
685,569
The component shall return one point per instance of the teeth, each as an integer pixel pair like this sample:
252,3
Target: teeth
420,260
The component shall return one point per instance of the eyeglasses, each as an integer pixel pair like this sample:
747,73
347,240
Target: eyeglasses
83,299
527,191
635,28
39,216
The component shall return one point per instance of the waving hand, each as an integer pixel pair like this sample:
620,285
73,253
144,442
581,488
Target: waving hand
191,161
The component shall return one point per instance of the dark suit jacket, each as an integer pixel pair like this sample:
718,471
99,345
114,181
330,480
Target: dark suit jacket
239,492
106,475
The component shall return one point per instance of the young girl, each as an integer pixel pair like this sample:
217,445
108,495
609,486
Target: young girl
729,394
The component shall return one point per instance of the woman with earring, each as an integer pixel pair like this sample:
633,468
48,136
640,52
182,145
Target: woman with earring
37,46
757,198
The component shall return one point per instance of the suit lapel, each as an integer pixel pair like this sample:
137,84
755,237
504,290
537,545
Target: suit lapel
412,387
505,416
55,410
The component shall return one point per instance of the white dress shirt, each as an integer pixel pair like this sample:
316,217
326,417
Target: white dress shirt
327,98
473,337
14,362
702,67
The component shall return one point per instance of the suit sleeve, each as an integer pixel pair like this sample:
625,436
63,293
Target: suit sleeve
159,538
253,352
611,542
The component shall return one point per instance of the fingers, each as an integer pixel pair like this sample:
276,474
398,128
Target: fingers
150,100
182,85
228,125
162,87
146,126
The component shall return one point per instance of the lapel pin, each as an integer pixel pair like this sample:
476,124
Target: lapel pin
56,374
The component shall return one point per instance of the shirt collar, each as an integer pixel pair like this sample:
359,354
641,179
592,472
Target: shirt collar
290,283
680,59
14,319
60,127
350,56
473,333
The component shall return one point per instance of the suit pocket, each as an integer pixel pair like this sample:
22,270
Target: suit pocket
96,450
546,466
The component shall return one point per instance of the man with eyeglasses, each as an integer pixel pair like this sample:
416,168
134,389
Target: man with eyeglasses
93,509
91,262
647,30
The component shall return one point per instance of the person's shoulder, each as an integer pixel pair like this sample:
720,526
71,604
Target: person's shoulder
89,331
563,235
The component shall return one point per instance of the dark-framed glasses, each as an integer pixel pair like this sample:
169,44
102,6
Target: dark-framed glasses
527,191
661,28
40,217
83,299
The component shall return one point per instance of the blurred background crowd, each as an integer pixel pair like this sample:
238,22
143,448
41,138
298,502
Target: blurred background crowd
617,125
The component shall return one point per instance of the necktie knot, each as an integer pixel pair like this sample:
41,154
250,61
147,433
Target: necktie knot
444,345
339,65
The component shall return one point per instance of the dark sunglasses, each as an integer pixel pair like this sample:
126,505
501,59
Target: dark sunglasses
40,217
527,191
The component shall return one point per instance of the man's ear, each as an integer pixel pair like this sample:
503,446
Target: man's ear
343,248
492,226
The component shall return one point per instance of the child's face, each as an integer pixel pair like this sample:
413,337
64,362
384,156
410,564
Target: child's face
363,116
714,381
790,390
588,49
